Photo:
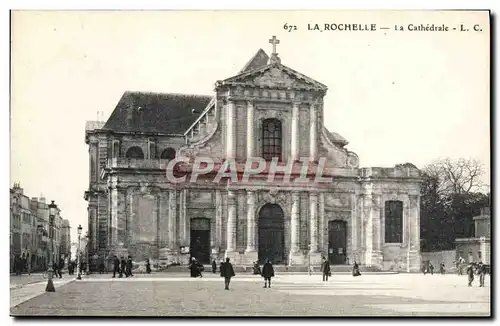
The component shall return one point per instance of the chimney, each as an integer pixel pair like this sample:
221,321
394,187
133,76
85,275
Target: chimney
17,188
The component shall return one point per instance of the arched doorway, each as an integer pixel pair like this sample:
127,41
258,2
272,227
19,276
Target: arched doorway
200,239
271,234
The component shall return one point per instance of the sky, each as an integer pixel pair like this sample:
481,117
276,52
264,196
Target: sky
396,96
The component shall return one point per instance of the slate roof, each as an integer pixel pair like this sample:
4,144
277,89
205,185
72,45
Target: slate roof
156,112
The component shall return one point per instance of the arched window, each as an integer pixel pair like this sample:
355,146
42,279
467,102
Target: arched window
271,139
168,154
393,221
135,152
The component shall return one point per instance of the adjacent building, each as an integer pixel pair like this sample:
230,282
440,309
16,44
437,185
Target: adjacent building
267,110
31,238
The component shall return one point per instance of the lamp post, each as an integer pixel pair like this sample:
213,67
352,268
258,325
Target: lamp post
79,276
52,213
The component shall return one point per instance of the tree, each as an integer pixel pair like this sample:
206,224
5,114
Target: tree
457,176
450,198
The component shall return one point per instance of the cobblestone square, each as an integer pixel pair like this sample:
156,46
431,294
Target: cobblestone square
290,295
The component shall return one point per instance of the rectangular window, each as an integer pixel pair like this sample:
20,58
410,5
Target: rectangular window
394,221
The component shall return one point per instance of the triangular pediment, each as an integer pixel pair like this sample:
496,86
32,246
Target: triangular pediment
275,75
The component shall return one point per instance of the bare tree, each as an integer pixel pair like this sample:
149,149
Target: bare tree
456,176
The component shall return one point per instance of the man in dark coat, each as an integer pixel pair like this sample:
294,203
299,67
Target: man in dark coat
355,269
221,268
227,272
325,269
148,267
116,266
214,267
470,273
123,267
267,273
60,266
431,268
482,273
194,268
129,266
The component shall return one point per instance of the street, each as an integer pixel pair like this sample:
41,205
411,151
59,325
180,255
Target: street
291,295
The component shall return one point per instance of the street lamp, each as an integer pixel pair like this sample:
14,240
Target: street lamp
79,276
52,213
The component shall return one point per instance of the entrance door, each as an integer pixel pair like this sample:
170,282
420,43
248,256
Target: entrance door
200,240
271,234
337,242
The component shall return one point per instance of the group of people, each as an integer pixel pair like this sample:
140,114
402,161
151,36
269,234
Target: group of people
479,269
327,272
427,267
122,266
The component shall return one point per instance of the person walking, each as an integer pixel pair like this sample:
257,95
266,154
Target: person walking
214,266
129,266
227,272
148,267
482,274
441,268
325,269
123,267
267,273
116,266
470,273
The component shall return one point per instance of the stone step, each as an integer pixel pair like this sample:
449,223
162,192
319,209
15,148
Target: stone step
279,269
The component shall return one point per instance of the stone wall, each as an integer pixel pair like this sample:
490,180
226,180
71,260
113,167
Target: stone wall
447,257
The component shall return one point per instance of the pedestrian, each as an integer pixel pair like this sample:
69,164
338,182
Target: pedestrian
214,267
256,269
227,272
470,273
129,266
60,267
221,266
441,268
424,269
482,274
355,270
193,267
325,269
200,268
123,267
116,266
148,267
267,273
101,265
431,268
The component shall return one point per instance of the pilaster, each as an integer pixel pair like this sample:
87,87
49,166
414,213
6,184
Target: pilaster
231,222
313,134
230,130
250,129
294,149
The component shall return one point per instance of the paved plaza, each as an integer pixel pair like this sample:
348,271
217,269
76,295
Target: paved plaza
168,294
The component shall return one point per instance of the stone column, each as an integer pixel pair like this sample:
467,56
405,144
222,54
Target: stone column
165,235
315,256
250,126
250,252
294,149
230,130
413,226
376,226
296,257
313,134
354,228
367,233
231,223
218,218
172,214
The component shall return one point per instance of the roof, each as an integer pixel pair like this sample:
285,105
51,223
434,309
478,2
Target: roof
259,59
156,112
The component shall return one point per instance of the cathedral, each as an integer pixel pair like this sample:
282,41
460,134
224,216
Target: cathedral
269,111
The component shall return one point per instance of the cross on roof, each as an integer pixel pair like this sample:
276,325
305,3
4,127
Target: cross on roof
274,41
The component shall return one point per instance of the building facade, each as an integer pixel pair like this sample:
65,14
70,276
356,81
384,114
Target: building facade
269,111
30,234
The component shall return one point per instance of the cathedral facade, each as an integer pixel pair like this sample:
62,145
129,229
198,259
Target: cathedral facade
268,111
